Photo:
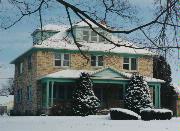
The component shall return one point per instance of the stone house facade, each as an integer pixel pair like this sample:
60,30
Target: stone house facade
46,73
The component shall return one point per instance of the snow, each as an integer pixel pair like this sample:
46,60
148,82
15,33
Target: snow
89,123
52,27
126,111
60,41
158,110
70,73
84,24
66,74
6,99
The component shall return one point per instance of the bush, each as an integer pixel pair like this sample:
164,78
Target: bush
156,114
58,110
123,114
137,95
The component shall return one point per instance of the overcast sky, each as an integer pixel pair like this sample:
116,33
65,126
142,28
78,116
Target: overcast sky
17,40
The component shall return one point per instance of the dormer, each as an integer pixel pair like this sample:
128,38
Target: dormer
47,31
84,33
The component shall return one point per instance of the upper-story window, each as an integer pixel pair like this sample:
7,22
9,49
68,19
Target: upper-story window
29,62
62,59
85,35
92,36
97,60
130,63
20,68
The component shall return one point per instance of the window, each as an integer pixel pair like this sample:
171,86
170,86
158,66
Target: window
61,59
101,39
61,93
97,60
130,63
126,64
29,62
19,95
20,68
94,36
85,35
29,93
133,64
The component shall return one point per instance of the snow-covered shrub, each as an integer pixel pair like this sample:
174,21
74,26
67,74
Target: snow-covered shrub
84,101
156,114
58,110
137,95
123,114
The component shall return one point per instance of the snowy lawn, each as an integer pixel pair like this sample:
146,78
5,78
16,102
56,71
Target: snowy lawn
89,123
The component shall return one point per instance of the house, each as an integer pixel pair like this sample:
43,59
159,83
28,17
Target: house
6,104
45,75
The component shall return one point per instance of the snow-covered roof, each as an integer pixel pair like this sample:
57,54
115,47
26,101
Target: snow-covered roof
52,27
74,74
6,99
84,24
60,41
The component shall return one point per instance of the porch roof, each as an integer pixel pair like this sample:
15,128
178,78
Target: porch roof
101,74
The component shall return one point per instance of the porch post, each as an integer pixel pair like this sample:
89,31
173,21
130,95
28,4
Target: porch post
52,90
47,94
157,96
159,87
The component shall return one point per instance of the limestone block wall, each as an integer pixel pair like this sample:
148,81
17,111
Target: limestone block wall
43,64
22,81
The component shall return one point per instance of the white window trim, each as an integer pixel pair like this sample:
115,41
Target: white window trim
90,36
130,62
62,60
21,67
97,59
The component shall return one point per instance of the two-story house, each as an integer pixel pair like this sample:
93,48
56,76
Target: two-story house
45,74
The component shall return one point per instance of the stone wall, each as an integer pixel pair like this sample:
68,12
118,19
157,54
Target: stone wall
43,64
22,81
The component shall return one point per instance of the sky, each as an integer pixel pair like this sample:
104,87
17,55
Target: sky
17,39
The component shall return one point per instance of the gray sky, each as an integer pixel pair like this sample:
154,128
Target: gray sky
17,39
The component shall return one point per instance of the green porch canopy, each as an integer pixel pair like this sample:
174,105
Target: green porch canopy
102,76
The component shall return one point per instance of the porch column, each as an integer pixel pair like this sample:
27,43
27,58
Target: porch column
52,90
157,96
159,87
47,94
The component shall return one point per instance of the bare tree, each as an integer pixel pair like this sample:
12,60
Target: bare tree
159,32
8,87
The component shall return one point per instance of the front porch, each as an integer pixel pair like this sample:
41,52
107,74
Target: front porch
110,89
111,95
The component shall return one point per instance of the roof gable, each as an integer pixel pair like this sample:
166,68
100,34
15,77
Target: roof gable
108,73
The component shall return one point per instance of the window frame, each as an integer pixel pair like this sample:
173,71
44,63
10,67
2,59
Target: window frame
62,60
84,35
20,68
19,95
29,62
98,37
130,63
29,93
97,61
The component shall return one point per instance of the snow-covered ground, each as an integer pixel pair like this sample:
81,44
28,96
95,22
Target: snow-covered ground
89,123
